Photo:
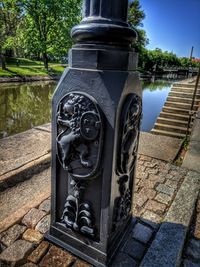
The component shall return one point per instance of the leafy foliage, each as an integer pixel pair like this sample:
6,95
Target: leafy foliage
158,59
41,29
135,18
38,27
47,25
10,15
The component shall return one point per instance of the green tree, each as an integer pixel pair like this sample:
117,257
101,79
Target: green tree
10,15
135,17
47,25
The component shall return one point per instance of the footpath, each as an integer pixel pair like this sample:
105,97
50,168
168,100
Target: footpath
166,204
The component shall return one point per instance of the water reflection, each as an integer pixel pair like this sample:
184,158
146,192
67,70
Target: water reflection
154,96
23,106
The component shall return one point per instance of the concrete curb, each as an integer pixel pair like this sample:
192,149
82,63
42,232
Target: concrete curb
24,172
23,155
166,249
192,158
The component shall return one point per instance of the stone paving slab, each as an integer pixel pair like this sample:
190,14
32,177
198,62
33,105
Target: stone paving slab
136,245
166,249
20,149
23,155
195,135
18,200
197,221
159,147
192,157
183,205
191,252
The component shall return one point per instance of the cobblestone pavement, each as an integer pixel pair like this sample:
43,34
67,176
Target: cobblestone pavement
191,254
157,183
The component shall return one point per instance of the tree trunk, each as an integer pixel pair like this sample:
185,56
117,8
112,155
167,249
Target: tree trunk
3,61
45,59
38,56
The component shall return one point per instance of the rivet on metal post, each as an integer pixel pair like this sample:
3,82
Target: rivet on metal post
96,111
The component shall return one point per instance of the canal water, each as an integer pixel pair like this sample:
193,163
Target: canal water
154,96
25,105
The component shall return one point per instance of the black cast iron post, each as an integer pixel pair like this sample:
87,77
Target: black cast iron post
96,112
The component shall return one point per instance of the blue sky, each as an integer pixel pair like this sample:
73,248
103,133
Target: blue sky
173,25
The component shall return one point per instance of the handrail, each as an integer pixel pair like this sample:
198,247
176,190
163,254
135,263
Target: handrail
191,112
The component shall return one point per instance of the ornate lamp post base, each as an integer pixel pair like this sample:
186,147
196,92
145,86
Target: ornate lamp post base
96,112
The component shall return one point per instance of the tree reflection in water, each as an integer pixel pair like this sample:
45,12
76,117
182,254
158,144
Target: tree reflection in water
24,105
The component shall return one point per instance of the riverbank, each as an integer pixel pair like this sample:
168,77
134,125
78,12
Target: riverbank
31,78
24,70
36,78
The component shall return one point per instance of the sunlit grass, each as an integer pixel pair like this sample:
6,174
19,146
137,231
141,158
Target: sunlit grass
5,73
22,62
28,67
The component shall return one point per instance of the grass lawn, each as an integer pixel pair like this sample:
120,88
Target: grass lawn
27,67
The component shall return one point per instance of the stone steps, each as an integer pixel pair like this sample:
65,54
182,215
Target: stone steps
183,94
164,114
186,85
174,122
175,110
184,90
173,119
19,199
180,105
178,99
167,133
171,128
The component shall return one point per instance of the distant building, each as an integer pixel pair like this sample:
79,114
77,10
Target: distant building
197,60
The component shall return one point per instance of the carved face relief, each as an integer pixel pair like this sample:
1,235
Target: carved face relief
79,135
